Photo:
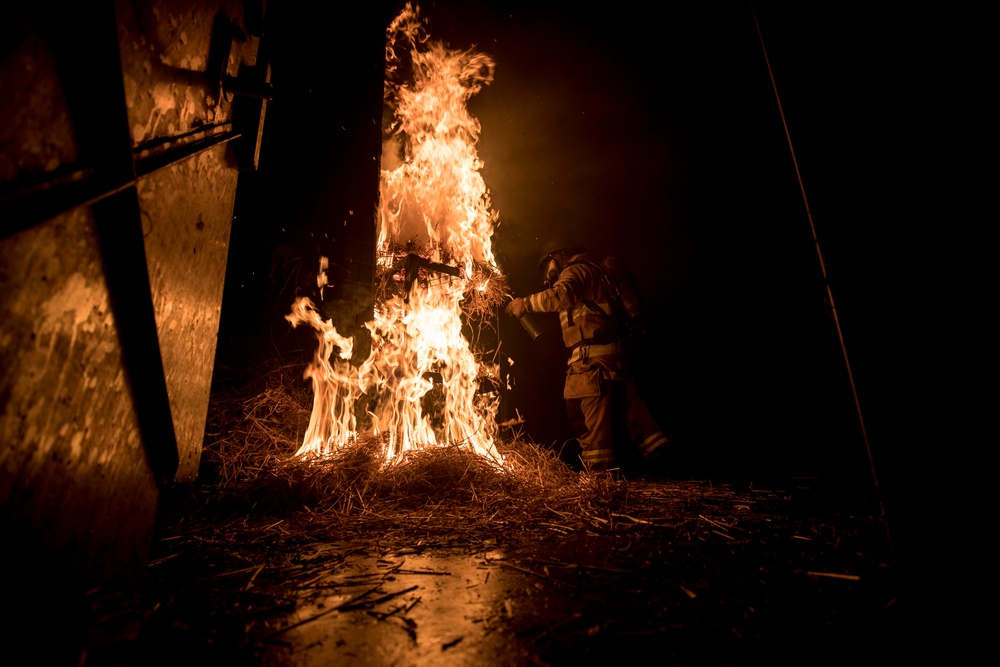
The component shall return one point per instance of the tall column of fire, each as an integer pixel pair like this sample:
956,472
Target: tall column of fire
437,276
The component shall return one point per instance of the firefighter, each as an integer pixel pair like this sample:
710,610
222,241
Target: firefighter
601,398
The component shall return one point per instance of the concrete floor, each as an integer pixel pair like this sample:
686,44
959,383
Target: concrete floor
402,609
724,578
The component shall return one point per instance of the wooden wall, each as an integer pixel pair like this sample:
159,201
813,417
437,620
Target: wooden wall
125,126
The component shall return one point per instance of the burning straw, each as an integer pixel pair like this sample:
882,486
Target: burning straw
251,476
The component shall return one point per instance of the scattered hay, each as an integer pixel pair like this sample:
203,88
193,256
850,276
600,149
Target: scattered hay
264,539
250,477
252,425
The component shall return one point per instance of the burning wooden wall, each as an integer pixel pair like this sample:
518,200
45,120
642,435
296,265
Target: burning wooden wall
124,128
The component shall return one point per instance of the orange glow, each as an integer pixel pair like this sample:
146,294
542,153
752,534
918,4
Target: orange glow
420,383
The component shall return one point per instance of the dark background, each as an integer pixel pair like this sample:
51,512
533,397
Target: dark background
654,133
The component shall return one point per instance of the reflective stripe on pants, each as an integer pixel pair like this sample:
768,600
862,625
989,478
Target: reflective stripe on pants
618,416
597,459
653,446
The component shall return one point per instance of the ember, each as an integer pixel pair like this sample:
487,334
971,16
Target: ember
419,386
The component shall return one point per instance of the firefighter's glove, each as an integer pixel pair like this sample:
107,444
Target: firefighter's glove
517,308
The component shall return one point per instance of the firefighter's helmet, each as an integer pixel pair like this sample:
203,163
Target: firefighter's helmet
553,260
564,246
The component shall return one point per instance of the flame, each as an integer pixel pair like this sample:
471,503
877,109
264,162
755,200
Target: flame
420,385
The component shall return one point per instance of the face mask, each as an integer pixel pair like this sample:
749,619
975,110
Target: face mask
550,272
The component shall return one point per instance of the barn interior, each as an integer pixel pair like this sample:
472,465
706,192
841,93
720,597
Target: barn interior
172,175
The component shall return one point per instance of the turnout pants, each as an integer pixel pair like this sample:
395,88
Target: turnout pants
607,414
